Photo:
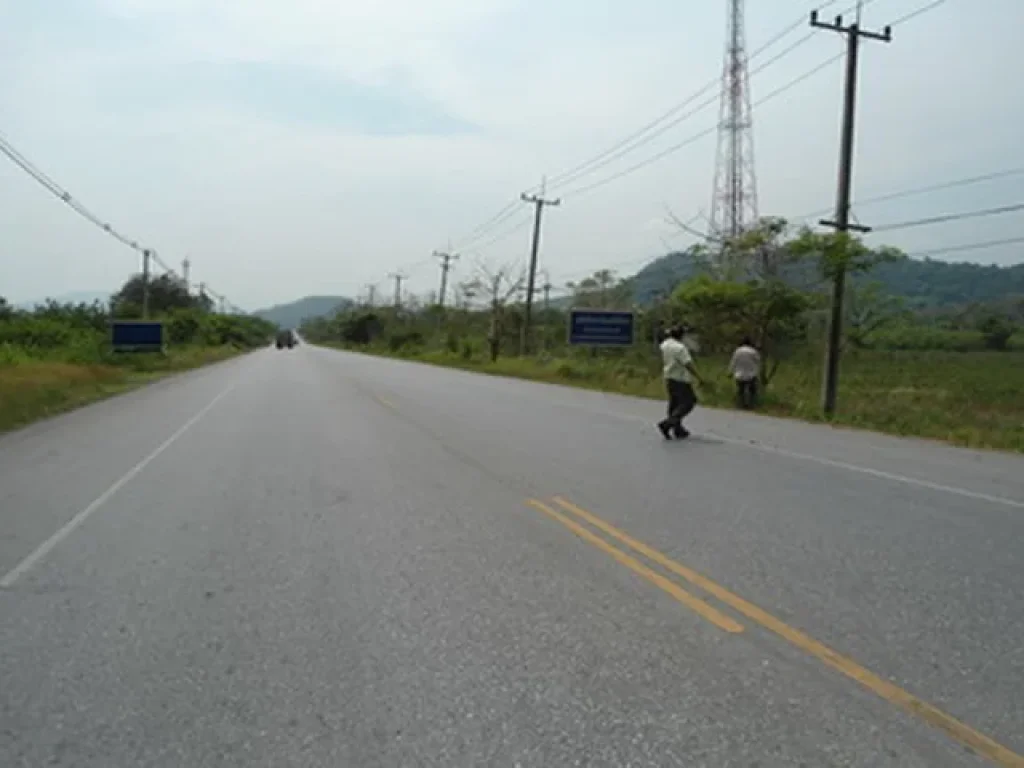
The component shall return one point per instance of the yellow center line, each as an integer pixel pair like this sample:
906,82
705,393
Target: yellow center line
695,604
961,732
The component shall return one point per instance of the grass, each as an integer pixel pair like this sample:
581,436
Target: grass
970,399
31,389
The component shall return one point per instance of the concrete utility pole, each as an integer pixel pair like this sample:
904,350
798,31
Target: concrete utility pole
446,264
398,277
539,202
186,267
853,33
371,294
146,253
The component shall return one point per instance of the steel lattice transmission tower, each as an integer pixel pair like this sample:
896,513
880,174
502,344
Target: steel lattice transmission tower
734,201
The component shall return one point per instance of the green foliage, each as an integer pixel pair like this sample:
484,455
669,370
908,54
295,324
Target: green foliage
57,356
997,331
166,293
869,310
768,311
602,290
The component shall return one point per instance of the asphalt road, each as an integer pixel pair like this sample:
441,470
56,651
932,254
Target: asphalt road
309,558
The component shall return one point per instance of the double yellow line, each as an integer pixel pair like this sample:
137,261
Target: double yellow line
570,515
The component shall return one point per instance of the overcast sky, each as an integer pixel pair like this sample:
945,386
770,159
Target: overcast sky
312,146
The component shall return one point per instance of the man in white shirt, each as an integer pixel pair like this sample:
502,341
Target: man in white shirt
679,373
745,368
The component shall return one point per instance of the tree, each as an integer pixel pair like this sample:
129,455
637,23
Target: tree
837,251
869,309
166,293
769,311
500,286
997,330
603,290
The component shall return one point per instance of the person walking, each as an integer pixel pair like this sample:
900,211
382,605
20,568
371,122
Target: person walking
679,373
745,368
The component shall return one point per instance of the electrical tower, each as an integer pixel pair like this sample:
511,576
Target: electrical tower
734,199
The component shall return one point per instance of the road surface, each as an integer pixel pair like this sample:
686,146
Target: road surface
310,558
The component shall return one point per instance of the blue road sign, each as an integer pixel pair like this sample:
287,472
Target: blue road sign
136,336
600,328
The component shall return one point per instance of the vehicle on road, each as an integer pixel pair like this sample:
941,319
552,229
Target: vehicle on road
285,339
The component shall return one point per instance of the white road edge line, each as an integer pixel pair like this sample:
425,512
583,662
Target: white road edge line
44,549
835,464
874,472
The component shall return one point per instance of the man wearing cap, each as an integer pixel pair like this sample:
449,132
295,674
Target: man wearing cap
679,373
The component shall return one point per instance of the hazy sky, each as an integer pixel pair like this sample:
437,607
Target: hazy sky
294,147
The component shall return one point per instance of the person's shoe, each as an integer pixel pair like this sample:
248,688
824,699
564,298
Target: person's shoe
681,433
664,429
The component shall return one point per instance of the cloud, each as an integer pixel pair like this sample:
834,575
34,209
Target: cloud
326,142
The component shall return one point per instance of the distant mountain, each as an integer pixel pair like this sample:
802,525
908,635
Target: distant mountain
291,315
924,283
72,297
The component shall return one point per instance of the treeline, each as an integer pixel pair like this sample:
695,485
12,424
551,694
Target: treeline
772,285
81,333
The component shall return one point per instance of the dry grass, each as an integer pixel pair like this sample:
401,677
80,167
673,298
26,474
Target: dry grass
31,389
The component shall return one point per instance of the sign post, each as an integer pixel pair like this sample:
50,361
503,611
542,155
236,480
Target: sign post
136,336
601,328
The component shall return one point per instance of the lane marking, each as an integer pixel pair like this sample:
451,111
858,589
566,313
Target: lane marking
977,495
695,604
959,731
44,549
385,402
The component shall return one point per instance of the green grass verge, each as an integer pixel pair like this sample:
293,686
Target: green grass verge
35,389
970,399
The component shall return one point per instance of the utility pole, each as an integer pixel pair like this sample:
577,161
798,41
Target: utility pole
146,253
853,33
446,264
539,202
186,267
398,277
547,306
371,293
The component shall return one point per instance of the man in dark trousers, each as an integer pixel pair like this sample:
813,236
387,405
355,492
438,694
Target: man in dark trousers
679,373
745,368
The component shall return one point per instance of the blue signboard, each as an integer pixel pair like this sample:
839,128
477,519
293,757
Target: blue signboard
136,336
600,327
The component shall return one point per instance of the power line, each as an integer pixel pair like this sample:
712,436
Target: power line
629,147
914,14
942,219
976,246
518,227
696,137
62,194
911,192
636,139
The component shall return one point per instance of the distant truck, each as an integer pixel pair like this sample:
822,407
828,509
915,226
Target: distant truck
285,339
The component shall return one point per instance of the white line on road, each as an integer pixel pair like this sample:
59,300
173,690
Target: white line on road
44,549
874,472
835,464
